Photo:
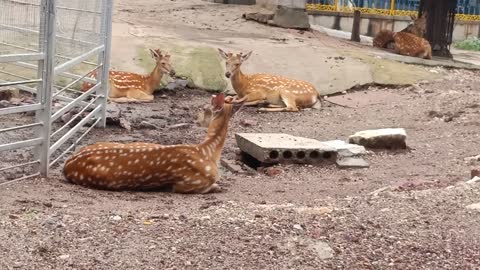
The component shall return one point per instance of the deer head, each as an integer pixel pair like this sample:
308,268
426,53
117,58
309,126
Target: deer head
419,25
233,61
220,109
162,62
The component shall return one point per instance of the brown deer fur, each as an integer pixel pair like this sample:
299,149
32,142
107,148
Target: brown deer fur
280,93
384,38
411,45
188,168
133,87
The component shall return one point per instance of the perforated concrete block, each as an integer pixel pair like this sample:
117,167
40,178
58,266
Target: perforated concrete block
284,148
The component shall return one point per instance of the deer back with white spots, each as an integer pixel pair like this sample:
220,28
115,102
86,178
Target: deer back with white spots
187,168
133,87
279,93
411,45
384,38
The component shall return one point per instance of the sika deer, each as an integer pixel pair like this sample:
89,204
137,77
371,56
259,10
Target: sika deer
411,45
188,168
384,38
279,93
133,87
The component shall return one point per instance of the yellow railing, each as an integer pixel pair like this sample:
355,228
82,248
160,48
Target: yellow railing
335,6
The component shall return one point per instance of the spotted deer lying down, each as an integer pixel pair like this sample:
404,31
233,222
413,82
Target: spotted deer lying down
133,87
137,166
411,45
384,38
279,93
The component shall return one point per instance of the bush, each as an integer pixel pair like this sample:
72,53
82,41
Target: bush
472,44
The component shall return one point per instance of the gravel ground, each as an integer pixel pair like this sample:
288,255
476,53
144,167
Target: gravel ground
306,217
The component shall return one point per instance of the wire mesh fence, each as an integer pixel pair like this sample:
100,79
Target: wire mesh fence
47,50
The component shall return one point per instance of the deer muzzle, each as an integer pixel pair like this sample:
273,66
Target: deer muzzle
228,74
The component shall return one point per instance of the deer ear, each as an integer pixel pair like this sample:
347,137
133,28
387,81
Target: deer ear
154,53
218,101
223,54
244,57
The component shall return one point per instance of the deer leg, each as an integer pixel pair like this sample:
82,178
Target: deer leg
140,96
253,98
274,106
197,186
290,105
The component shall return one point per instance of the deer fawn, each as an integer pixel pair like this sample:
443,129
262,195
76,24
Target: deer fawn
281,94
188,168
384,38
411,45
133,87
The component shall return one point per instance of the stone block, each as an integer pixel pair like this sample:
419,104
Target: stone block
346,149
388,138
283,148
352,162
291,18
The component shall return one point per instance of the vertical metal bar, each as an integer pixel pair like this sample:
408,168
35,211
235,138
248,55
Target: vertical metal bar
392,7
45,94
104,58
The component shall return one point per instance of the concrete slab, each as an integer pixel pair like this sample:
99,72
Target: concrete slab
352,162
345,149
284,148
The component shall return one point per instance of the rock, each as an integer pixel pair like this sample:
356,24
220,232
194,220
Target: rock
345,149
472,159
298,227
388,138
296,18
475,206
352,162
272,171
324,251
198,66
5,104
248,122
231,166
474,180
475,173
64,257
116,218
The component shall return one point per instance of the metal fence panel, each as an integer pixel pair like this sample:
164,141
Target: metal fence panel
47,48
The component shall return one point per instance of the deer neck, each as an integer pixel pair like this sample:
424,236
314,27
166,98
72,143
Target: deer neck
154,78
239,83
213,144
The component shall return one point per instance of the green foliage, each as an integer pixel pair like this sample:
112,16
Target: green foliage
471,44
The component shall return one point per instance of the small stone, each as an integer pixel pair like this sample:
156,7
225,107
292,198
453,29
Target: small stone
206,218
248,122
324,251
64,257
475,173
188,263
352,162
474,180
273,171
475,206
116,218
298,227
388,138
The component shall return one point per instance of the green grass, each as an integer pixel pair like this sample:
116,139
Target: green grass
471,44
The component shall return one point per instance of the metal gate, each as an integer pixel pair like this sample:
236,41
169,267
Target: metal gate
47,49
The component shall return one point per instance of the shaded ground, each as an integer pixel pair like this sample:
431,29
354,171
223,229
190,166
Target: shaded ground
304,218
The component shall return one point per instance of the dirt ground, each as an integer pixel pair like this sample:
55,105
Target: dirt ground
407,211
307,217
